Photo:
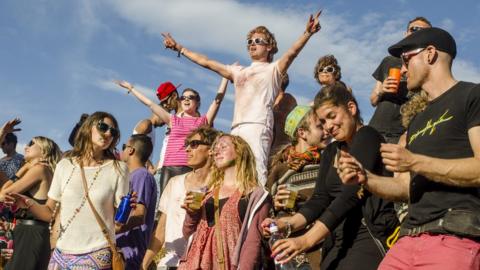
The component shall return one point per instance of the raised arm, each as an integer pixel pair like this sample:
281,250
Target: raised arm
197,58
212,111
313,26
9,127
156,109
388,86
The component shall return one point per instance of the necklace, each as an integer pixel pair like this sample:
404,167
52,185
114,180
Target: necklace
77,210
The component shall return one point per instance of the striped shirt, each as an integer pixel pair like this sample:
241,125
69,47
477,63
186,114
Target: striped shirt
175,154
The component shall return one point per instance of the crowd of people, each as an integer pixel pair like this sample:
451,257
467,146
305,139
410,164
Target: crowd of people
401,192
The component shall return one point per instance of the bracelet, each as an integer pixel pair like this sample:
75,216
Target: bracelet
289,229
181,51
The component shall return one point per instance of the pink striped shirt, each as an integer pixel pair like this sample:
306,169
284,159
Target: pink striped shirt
175,154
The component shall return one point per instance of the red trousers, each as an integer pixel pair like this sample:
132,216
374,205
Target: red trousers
433,252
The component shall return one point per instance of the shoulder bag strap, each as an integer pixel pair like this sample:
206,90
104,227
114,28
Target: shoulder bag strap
218,229
100,222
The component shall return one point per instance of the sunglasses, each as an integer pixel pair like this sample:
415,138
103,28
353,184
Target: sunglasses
189,97
257,41
194,144
30,143
124,146
103,128
327,69
413,29
406,56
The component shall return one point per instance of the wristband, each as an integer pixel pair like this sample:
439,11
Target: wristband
289,229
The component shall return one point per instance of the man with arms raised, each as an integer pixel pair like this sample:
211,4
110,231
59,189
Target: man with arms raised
256,86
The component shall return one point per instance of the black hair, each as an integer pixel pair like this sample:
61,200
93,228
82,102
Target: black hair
143,146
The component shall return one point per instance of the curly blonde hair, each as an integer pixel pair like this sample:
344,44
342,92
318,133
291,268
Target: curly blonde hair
244,166
269,38
417,103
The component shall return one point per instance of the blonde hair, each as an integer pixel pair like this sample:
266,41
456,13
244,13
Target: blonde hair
417,103
51,153
269,38
244,165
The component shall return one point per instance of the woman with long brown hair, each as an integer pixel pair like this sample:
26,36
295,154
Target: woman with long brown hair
227,225
354,223
81,243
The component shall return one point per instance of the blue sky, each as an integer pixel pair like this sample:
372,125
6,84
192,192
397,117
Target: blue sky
58,58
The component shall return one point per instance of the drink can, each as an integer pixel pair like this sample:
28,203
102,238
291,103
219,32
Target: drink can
123,211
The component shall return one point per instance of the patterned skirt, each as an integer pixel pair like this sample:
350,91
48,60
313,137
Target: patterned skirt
96,260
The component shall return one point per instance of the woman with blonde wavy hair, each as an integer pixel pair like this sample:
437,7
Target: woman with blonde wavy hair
31,236
227,225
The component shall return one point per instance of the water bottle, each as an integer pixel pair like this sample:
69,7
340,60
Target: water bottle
275,236
123,211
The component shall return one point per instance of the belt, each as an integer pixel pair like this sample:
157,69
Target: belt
31,222
433,227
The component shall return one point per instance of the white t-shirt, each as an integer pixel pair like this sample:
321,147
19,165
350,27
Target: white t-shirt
170,202
256,88
84,233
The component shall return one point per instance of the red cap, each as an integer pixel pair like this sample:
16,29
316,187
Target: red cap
165,89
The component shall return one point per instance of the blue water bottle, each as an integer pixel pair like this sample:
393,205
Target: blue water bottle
123,211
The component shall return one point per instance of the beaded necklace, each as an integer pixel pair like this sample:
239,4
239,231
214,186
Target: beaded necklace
77,210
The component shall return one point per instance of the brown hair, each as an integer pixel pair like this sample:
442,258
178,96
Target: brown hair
207,133
337,95
325,61
419,18
83,146
269,38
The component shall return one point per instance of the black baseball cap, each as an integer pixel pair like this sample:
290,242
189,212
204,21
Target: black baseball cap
438,38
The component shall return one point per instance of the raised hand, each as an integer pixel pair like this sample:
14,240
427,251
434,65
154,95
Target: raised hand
313,24
9,126
125,85
169,42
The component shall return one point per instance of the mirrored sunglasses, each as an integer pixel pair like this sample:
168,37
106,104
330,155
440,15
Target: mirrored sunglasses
406,56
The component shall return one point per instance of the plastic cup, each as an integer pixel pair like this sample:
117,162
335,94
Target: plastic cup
290,202
198,195
395,73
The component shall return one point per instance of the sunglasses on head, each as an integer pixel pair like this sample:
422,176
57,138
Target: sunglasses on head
194,144
257,41
30,143
103,128
406,56
327,69
189,97
413,29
